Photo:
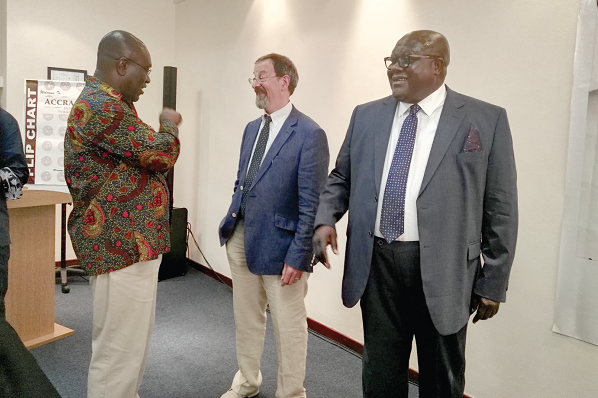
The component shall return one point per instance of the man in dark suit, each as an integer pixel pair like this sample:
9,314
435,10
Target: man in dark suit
428,177
20,375
13,175
269,226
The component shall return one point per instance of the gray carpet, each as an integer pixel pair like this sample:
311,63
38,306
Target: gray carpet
193,347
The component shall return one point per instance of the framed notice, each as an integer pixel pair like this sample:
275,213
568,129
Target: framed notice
48,104
73,75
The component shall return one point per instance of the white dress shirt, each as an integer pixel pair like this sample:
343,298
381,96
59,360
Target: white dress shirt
278,119
427,123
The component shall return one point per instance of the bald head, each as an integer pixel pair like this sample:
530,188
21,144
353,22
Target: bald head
123,63
117,44
428,42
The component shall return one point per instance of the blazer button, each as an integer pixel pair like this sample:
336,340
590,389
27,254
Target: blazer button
234,215
371,233
376,198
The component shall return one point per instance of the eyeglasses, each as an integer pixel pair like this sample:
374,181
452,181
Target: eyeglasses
260,79
147,70
406,60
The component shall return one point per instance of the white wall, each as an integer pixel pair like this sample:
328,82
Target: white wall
2,48
517,54
66,34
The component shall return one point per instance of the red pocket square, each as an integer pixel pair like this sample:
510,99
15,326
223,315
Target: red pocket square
473,143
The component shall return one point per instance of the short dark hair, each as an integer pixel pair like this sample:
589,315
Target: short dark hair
283,66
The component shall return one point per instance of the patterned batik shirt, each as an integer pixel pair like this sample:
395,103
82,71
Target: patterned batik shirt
115,169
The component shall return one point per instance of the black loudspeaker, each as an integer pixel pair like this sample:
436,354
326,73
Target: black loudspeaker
169,101
174,263
169,88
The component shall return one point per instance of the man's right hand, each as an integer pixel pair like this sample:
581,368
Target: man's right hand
323,236
172,115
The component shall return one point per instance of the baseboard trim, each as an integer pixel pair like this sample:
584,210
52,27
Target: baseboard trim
211,273
335,336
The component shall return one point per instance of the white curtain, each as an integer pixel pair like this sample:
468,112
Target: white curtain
576,311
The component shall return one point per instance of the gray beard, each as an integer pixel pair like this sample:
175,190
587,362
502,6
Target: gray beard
261,102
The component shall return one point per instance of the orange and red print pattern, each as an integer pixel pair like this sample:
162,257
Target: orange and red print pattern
114,168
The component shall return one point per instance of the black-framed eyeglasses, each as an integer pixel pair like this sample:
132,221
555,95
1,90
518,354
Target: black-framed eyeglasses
406,60
147,70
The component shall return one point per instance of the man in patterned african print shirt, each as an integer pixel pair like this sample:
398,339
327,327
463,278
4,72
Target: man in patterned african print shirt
115,167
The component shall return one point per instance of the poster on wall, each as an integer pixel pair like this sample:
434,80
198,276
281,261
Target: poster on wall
47,107
575,313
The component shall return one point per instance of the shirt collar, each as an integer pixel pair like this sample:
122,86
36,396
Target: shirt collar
428,104
96,84
279,116
103,86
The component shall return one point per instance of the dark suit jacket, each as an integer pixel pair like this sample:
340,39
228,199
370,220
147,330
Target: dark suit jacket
11,156
283,197
467,204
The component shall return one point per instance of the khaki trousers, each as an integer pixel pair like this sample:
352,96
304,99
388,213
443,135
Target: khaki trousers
251,294
124,309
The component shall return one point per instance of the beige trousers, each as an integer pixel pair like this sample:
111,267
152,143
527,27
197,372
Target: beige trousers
251,294
124,308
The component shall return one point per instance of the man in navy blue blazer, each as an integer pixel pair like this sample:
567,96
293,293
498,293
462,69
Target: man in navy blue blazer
269,226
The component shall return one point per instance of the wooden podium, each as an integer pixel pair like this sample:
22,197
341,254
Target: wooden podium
31,274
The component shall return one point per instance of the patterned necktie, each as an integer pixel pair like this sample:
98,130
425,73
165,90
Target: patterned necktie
393,205
256,160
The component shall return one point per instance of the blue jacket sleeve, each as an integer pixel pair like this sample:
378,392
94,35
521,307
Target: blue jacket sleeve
313,168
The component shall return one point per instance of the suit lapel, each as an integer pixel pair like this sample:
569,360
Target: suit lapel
450,119
283,135
382,129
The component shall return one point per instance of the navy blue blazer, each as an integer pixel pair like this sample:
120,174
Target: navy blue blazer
283,198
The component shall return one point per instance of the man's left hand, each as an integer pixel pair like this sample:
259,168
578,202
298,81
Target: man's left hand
290,275
486,308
